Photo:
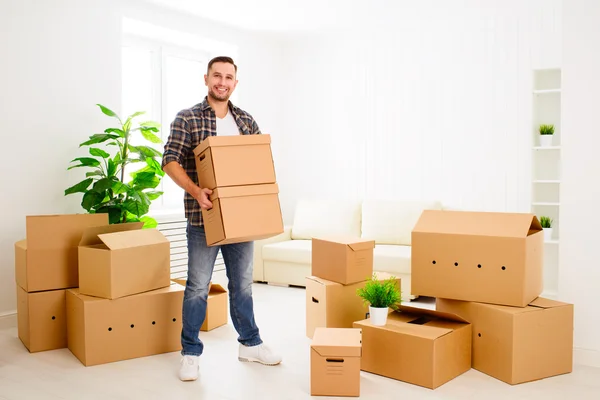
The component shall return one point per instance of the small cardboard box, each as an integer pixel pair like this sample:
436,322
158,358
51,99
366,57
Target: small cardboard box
123,259
42,319
423,347
333,305
335,355
488,257
47,258
518,344
101,331
240,160
216,306
242,214
342,260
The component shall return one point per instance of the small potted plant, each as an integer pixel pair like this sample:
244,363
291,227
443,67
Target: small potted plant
380,295
546,223
546,132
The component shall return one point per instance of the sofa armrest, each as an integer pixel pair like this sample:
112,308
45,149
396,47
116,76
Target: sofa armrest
258,268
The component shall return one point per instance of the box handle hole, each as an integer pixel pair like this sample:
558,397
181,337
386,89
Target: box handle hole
433,262
456,264
335,360
503,268
479,334
174,319
315,300
202,157
132,325
153,322
478,265
109,329
53,317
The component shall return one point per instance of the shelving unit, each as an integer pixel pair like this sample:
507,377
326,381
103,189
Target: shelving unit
546,167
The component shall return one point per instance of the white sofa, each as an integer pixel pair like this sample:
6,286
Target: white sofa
286,259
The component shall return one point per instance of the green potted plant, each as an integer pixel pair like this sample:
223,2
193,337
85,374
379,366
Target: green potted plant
546,223
380,295
106,189
546,132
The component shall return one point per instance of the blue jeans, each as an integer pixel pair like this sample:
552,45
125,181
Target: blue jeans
238,266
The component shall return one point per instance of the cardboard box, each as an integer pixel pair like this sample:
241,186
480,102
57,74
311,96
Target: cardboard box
342,260
242,214
423,347
42,319
47,258
216,306
515,344
478,256
102,331
240,160
123,259
335,356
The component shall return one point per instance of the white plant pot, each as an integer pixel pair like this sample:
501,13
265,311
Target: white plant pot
547,234
378,315
546,140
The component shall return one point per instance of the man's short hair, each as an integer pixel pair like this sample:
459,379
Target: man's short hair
223,59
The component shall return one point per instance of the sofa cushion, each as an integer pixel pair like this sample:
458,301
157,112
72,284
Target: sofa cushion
392,258
322,218
392,221
296,251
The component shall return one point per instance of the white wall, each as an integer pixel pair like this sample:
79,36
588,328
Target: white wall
580,192
59,59
431,101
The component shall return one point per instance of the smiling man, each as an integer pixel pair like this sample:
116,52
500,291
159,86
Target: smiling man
216,115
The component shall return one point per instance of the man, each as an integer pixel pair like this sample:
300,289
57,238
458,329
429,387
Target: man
216,115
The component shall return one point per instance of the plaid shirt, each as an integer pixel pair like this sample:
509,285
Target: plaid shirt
190,127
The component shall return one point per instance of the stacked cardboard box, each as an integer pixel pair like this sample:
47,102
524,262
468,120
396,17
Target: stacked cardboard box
45,266
487,268
245,196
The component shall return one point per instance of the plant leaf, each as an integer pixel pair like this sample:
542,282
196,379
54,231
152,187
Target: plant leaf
149,222
91,199
119,188
85,162
154,195
94,173
102,185
155,166
151,137
148,151
150,124
145,180
115,130
135,207
98,152
79,187
107,111
136,114
114,213
112,168
99,138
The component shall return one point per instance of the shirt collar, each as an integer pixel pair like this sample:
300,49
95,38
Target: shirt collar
205,106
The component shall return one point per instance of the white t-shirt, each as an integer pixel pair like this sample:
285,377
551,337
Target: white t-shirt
227,126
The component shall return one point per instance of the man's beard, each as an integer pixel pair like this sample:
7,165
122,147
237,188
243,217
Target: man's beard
214,96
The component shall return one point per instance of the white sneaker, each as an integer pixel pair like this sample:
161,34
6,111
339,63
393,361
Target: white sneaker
190,368
261,354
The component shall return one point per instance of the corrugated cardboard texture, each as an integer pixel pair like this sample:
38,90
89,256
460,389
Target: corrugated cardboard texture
422,348
335,362
519,344
342,260
477,256
243,214
223,161
216,306
123,259
102,331
42,319
47,259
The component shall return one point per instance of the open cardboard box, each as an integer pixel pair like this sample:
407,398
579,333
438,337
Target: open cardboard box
423,347
123,259
342,260
488,257
518,344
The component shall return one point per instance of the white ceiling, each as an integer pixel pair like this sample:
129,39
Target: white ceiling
277,15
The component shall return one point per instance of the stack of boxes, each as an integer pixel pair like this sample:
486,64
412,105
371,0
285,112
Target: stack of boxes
245,196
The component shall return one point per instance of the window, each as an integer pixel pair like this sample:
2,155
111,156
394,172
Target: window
162,73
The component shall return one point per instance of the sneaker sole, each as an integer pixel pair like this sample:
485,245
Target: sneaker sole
187,379
257,361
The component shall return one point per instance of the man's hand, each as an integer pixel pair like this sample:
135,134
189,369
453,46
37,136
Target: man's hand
201,195
177,173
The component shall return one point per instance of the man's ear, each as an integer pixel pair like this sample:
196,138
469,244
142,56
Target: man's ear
205,80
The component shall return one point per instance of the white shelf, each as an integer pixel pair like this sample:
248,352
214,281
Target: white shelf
546,91
547,148
546,181
545,204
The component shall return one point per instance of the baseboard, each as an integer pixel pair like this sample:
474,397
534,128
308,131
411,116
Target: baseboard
588,357
8,313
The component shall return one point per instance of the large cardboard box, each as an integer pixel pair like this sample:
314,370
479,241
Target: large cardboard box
240,160
423,347
47,258
335,356
342,260
216,306
242,214
478,256
333,305
102,331
518,344
42,319
123,259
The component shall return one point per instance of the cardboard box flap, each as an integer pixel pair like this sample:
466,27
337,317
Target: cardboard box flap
478,223
239,140
417,311
409,328
322,281
248,190
59,231
337,342
363,245
135,238
541,302
90,235
215,289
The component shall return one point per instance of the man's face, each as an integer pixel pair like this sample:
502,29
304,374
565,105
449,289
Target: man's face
220,81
